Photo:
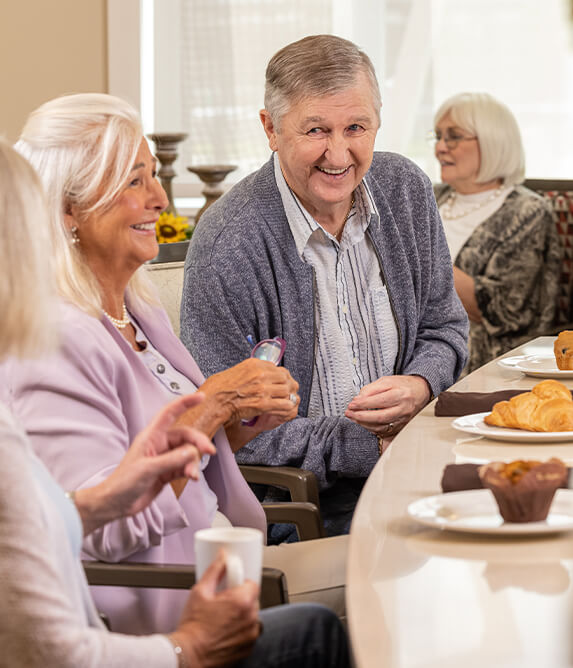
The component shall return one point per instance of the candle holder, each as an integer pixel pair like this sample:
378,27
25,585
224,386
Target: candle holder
166,152
212,176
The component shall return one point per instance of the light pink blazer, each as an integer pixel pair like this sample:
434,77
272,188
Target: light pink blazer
82,407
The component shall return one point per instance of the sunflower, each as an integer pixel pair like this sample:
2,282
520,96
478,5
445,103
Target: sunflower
170,228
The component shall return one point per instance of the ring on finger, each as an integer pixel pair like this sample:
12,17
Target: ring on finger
293,397
387,428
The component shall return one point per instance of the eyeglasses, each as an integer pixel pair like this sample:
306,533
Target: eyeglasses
451,140
269,350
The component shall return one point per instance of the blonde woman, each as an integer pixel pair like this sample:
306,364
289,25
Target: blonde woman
501,236
120,361
47,618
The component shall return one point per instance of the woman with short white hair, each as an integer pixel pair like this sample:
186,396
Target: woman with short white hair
501,236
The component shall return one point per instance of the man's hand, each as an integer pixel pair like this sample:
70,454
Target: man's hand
218,628
386,405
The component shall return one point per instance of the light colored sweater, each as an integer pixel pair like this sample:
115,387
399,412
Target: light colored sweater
47,618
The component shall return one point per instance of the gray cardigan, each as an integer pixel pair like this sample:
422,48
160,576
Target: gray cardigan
243,276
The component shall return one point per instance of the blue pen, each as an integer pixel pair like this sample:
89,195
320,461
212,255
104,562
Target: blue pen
251,340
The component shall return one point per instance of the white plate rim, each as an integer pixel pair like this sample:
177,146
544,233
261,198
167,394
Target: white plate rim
562,507
519,363
478,427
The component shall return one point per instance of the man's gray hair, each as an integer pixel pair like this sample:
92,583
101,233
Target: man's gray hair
315,66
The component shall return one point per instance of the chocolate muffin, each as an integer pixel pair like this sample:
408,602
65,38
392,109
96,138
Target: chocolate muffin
524,490
563,349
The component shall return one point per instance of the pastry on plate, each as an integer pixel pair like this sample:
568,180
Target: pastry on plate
563,349
524,490
548,407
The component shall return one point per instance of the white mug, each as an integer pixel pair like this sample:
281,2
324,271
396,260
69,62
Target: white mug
243,548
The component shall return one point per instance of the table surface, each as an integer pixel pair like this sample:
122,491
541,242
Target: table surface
420,597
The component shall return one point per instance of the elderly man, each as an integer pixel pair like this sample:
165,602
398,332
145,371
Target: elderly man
339,251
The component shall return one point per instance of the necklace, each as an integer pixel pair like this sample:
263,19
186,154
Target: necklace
120,323
345,217
447,206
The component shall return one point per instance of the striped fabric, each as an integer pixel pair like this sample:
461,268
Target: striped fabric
357,339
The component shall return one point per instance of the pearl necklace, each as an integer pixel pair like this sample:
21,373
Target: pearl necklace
446,208
120,323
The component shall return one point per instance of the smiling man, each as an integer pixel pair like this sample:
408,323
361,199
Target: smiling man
339,251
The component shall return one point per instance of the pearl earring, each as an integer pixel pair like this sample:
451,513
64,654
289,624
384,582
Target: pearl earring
75,239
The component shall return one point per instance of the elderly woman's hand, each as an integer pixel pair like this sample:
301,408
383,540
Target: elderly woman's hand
251,388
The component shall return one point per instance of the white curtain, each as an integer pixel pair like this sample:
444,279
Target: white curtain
225,46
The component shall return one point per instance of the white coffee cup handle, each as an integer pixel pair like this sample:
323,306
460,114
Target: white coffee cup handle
235,572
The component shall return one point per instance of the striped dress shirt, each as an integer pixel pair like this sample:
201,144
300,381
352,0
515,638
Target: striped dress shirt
357,339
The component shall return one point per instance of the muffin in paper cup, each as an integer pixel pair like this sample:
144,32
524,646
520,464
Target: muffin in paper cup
524,490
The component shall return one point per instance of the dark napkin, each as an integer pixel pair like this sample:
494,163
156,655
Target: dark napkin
459,477
454,404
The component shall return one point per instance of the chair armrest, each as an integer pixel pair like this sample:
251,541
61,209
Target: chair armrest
175,576
300,483
305,516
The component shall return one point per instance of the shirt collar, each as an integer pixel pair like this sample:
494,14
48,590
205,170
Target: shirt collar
303,225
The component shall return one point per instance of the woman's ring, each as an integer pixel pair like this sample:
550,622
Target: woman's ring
293,398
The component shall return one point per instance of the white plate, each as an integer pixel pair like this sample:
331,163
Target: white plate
476,511
538,366
474,424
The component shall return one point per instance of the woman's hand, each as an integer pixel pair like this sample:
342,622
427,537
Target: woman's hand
162,452
218,628
251,388
384,406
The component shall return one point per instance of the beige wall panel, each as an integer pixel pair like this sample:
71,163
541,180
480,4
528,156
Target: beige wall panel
48,47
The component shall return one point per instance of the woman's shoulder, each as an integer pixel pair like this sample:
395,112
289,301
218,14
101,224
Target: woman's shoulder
528,201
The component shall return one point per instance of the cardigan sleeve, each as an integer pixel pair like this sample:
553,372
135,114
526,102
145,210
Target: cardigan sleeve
521,266
72,408
39,625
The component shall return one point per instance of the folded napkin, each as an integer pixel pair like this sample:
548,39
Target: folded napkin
454,404
460,477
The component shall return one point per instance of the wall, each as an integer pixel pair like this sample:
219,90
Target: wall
49,47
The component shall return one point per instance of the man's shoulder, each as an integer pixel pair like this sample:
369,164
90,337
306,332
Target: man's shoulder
394,167
397,181
250,212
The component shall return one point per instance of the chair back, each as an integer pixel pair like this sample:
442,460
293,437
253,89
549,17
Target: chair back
559,193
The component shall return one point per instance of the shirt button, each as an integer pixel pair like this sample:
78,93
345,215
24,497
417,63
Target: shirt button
173,385
354,361
160,368
345,309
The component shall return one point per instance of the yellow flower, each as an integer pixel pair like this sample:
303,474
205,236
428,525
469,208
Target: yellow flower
170,228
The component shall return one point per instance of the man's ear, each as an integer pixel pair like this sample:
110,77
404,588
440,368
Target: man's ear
269,128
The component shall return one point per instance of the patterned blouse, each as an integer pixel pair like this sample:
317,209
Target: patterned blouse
514,257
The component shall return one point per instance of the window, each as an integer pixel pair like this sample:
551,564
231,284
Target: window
198,66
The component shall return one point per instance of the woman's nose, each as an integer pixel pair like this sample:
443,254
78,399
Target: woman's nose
158,199
440,146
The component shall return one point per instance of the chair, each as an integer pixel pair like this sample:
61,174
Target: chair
175,576
559,193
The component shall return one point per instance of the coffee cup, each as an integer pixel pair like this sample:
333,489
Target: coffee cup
243,550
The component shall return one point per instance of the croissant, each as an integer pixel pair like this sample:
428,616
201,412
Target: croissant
563,350
548,407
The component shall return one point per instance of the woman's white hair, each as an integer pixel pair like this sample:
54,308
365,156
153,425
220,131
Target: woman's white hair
27,298
491,121
315,66
83,147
